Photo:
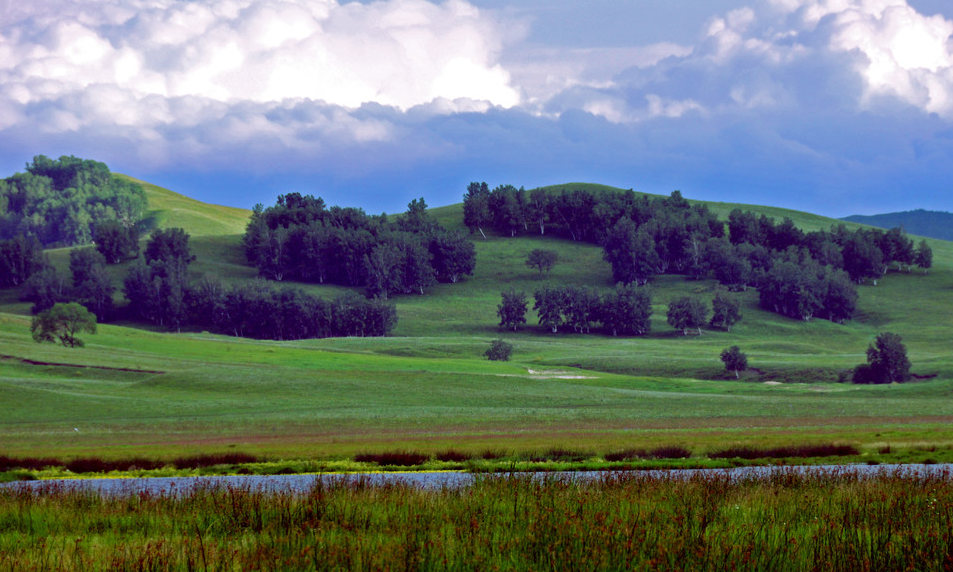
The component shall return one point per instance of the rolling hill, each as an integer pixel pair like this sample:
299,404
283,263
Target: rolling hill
428,387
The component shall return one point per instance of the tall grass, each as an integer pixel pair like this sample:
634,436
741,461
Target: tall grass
787,521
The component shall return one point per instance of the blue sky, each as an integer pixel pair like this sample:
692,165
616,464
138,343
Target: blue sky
832,106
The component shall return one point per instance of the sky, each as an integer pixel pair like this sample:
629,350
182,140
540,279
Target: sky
836,107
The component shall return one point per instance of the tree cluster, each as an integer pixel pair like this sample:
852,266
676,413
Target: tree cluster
261,310
61,202
625,311
800,275
90,285
160,291
20,257
300,239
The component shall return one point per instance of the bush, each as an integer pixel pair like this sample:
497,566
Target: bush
499,351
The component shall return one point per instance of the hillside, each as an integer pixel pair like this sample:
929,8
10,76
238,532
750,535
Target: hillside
429,387
931,224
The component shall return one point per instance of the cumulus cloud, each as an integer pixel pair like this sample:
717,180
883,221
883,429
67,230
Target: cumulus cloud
400,53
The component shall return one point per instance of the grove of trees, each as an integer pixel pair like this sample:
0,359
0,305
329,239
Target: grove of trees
300,239
61,202
625,311
802,275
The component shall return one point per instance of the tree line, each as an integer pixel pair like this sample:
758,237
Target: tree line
300,239
800,275
160,291
62,202
624,311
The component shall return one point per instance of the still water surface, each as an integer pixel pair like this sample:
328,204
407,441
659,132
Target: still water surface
302,483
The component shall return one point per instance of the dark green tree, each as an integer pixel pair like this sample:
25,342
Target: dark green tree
726,310
476,208
512,309
687,313
116,241
499,350
627,311
734,360
45,288
62,323
542,260
924,256
453,256
887,358
92,284
20,257
549,306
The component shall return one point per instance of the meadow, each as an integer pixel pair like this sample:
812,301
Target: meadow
824,520
135,392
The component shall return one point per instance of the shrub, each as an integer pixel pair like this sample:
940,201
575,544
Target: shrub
499,351
395,459
453,456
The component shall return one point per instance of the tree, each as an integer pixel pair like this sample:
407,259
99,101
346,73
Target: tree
499,351
627,311
512,309
726,310
542,260
61,323
923,256
887,360
45,288
476,207
549,307
116,241
92,285
687,313
453,256
734,360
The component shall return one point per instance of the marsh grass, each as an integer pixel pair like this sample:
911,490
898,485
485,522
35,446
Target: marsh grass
833,520
792,451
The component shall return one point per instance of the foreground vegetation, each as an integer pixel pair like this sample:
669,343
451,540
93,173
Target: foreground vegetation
786,521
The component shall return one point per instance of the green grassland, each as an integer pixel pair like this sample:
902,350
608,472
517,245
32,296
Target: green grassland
134,392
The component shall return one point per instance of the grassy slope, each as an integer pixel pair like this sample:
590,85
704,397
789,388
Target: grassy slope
428,387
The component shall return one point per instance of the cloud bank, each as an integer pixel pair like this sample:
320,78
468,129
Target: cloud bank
840,103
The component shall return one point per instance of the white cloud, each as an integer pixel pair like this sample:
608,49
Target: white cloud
396,52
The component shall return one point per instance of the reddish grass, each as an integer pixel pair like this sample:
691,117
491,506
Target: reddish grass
796,451
393,458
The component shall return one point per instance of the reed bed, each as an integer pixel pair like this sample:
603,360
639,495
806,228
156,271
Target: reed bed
788,520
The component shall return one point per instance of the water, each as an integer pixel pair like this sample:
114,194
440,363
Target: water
302,483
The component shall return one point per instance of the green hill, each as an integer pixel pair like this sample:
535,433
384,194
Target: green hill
428,387
932,224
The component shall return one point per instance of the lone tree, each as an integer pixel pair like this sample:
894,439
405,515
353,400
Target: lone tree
499,351
886,361
734,360
512,309
542,260
686,314
62,322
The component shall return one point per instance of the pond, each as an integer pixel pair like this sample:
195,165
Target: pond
430,480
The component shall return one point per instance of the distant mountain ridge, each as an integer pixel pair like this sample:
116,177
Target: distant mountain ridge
931,224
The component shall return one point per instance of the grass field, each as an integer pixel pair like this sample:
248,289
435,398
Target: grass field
134,392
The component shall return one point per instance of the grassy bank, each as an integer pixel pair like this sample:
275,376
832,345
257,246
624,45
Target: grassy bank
788,521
